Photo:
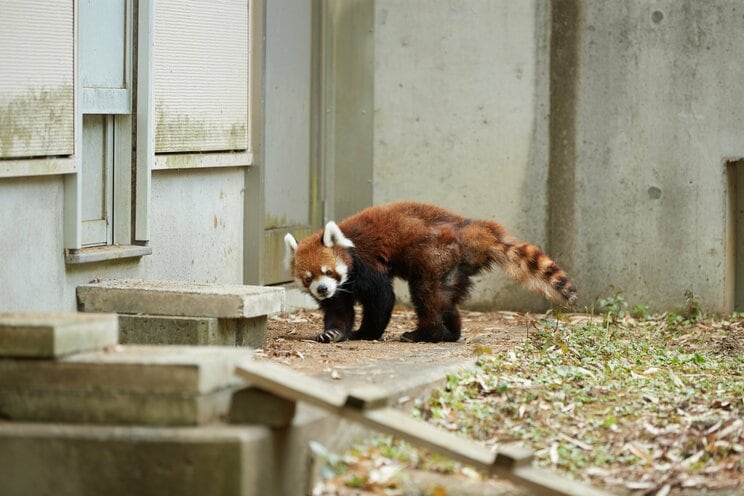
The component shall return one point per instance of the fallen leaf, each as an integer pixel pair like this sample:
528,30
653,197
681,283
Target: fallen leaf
554,458
638,485
439,491
664,491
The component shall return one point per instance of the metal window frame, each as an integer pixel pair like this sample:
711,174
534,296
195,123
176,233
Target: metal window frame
113,100
124,233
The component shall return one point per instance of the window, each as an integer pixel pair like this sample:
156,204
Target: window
37,98
101,216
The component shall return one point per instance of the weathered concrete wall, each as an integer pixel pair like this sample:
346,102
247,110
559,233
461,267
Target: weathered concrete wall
197,225
197,219
461,116
597,129
656,109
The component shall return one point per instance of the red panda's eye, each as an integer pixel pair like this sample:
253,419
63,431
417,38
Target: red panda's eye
328,272
308,280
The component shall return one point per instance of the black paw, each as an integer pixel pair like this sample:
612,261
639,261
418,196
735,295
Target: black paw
331,336
409,337
357,336
421,336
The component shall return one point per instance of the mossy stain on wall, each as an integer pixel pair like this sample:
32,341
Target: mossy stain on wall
38,123
177,132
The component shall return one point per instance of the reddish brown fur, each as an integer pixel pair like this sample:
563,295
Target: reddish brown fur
311,255
436,251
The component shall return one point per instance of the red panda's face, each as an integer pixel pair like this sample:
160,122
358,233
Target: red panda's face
319,271
320,264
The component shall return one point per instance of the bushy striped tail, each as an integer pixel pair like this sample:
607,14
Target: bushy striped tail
529,266
523,262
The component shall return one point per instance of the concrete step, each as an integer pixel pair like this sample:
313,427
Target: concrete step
74,460
228,301
148,385
158,329
49,335
166,312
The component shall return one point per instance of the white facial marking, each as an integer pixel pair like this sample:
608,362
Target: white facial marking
342,269
330,287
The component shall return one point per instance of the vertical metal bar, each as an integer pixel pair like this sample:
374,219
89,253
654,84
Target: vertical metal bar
122,216
145,120
317,55
73,206
254,179
128,49
327,111
108,178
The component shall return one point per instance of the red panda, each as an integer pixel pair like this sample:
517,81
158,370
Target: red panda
435,250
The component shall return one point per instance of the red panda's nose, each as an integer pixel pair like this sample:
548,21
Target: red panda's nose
322,289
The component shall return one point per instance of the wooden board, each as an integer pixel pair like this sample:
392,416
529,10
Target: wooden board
403,426
286,383
368,406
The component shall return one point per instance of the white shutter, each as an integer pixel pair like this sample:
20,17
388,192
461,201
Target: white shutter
201,75
36,78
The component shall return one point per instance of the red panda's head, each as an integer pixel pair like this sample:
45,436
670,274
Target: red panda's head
320,263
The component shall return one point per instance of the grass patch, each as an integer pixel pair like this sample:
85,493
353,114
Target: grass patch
652,404
625,400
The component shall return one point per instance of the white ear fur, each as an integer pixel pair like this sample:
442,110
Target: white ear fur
332,236
290,244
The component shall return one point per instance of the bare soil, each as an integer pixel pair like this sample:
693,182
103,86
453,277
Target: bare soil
291,340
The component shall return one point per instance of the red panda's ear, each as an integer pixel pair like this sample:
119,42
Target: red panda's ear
332,236
290,244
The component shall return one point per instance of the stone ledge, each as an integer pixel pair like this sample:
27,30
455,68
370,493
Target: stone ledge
159,329
115,408
242,460
50,335
137,369
102,253
181,299
201,331
146,385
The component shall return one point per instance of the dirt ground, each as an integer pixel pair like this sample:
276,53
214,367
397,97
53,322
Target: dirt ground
291,341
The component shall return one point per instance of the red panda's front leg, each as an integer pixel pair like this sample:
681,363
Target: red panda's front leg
338,319
378,303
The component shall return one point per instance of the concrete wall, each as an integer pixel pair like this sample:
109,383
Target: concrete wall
656,109
460,116
197,228
597,129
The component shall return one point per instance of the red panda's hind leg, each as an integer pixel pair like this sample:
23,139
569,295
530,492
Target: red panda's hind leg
452,321
438,317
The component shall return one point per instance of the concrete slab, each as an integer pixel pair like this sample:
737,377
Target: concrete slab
67,460
248,332
50,335
397,379
136,369
254,406
116,407
200,331
70,460
180,299
147,385
297,299
170,330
